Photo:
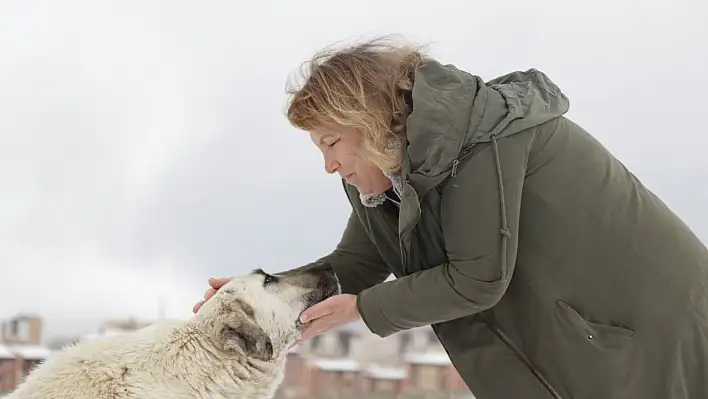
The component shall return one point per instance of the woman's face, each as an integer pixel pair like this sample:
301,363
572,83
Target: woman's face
343,154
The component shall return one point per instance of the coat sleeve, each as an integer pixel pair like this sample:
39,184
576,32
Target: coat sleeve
473,279
355,260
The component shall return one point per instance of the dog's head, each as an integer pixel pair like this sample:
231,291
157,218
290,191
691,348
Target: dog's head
257,314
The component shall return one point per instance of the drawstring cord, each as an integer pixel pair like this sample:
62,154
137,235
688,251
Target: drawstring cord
506,234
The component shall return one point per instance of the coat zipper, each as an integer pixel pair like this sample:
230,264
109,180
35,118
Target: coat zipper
472,149
454,167
410,226
499,333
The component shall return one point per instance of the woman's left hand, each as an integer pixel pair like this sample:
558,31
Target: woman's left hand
329,314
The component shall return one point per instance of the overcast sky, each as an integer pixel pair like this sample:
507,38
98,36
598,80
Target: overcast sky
143,146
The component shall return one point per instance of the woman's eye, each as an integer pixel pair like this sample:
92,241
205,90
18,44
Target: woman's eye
333,143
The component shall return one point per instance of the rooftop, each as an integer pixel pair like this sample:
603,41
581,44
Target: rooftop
31,352
385,373
28,352
437,358
6,353
336,364
107,332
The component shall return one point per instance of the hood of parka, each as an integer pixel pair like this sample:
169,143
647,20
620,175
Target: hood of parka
454,110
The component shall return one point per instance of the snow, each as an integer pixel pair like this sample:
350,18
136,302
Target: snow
6,353
385,373
338,364
428,358
28,352
108,332
31,352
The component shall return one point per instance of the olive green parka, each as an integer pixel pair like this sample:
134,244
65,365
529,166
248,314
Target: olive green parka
545,267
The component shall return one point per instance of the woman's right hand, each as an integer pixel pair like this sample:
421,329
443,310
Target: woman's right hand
215,284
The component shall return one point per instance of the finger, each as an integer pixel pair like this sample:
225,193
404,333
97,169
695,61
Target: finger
316,311
218,282
196,307
209,293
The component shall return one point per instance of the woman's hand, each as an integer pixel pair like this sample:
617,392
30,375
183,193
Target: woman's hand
328,315
215,284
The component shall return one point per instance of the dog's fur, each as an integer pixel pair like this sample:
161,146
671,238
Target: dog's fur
234,347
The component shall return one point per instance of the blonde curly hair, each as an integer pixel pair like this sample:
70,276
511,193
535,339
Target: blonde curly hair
362,87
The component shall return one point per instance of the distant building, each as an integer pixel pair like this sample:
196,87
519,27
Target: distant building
21,346
340,343
354,363
21,350
383,380
111,328
7,370
22,329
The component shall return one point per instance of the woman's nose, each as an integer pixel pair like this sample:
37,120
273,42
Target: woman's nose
331,165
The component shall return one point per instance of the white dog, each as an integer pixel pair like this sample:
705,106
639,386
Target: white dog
234,347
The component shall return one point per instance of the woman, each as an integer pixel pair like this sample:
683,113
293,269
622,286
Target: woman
545,267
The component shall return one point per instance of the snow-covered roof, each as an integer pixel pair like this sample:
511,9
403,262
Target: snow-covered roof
90,336
31,352
429,358
385,373
356,328
6,353
108,332
336,364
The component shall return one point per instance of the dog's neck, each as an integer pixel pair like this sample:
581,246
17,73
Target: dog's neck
234,374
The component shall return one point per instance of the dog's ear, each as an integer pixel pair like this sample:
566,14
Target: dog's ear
246,336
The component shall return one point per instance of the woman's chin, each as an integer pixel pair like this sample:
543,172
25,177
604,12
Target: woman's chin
367,190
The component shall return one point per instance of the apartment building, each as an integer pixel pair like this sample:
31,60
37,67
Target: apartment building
21,349
353,363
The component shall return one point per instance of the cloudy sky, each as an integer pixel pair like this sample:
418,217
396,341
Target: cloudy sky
143,146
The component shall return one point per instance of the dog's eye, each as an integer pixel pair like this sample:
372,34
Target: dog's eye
268,279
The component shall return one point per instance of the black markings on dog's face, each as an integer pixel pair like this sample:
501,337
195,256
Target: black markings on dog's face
236,305
259,307
268,279
241,333
246,308
248,338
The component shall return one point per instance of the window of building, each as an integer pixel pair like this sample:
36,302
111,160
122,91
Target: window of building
429,377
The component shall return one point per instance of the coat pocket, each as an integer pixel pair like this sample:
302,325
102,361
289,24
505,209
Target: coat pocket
487,365
593,360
